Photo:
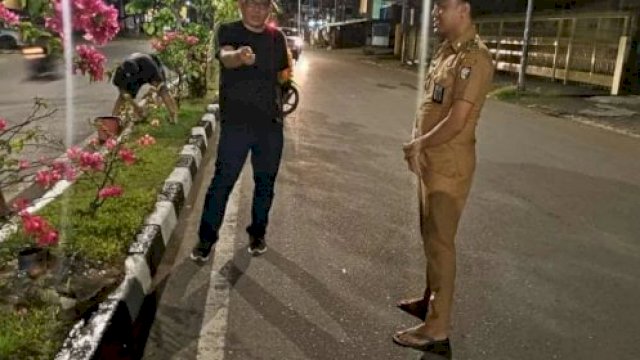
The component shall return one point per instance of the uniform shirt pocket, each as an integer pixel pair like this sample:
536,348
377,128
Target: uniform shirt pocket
442,91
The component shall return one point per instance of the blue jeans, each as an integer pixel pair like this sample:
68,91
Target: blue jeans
265,142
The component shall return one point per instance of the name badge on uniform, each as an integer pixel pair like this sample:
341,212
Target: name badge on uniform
438,94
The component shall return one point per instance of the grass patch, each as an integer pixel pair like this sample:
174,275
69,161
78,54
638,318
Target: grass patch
506,93
104,239
35,335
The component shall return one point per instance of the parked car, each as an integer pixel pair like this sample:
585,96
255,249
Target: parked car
9,39
295,41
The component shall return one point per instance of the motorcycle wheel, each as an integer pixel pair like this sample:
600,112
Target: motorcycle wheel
290,100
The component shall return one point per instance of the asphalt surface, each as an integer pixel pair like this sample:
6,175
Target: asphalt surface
548,248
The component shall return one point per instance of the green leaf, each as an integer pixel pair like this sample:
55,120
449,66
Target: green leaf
17,145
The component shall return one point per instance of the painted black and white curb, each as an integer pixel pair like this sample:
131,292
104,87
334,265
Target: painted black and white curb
118,313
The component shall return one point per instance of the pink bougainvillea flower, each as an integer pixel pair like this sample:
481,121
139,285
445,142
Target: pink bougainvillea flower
64,170
103,26
191,40
146,140
47,178
48,238
74,152
89,61
95,18
169,36
91,161
71,174
8,17
33,224
20,205
110,191
111,143
43,160
3,121
54,24
158,45
38,227
127,156
23,164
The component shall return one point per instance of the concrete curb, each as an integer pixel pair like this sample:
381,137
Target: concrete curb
114,318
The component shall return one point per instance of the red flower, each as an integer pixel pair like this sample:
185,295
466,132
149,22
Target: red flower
111,144
23,164
92,161
191,40
89,61
74,152
65,170
32,224
98,20
127,156
8,17
158,45
48,238
46,178
110,191
20,205
38,227
3,121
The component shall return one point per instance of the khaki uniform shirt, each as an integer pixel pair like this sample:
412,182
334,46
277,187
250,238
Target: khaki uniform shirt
461,70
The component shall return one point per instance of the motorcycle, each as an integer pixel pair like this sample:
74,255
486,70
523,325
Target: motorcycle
40,64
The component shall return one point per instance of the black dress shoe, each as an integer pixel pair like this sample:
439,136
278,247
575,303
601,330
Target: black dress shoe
433,356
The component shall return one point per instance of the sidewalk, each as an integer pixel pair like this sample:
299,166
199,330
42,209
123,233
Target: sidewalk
582,103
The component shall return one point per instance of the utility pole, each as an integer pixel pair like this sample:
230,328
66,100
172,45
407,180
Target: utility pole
525,47
300,18
405,30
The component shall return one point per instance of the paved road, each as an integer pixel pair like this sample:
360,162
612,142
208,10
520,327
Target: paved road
549,247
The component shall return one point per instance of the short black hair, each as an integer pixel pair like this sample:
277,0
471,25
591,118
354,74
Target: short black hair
472,6
130,67
470,2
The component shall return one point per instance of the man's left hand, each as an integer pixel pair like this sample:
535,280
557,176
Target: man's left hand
411,149
414,164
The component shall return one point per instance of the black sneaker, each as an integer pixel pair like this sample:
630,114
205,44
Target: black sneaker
202,251
257,245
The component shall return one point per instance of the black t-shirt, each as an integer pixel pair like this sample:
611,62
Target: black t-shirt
248,93
149,70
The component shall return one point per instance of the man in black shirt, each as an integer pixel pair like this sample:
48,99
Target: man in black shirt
135,71
251,56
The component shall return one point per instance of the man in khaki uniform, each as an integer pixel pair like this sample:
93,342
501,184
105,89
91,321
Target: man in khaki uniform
442,154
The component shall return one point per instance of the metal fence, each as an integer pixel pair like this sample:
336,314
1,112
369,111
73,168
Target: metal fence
588,48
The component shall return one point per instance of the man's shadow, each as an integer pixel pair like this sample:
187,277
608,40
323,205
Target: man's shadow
295,326
291,323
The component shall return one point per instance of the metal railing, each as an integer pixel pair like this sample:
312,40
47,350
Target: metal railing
589,48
